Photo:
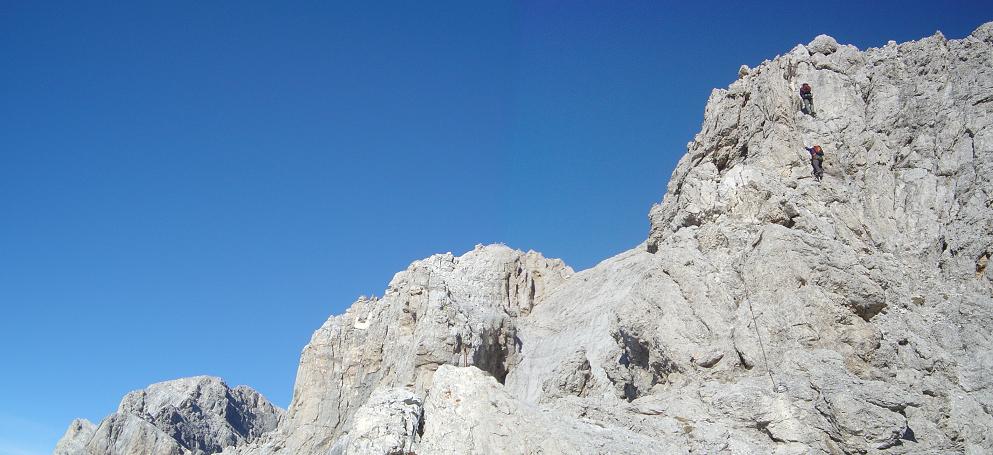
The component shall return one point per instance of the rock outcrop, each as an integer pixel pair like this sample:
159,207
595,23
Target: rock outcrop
391,421
766,313
189,416
877,270
74,440
468,411
443,310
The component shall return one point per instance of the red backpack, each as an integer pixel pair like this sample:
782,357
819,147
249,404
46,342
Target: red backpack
805,88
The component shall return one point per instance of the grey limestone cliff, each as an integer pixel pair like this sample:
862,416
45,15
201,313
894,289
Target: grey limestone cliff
767,312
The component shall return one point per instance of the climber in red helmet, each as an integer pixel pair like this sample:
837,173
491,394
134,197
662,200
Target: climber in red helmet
807,98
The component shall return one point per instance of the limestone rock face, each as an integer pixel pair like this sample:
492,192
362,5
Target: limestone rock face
767,312
468,411
389,422
74,440
443,310
126,434
198,415
871,281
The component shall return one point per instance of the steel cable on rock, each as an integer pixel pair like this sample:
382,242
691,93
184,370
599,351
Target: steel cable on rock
765,358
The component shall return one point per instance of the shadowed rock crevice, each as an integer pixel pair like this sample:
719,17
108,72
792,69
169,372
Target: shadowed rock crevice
641,365
493,355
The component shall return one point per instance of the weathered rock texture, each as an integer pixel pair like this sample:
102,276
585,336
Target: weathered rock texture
443,310
871,281
191,416
389,422
766,313
74,440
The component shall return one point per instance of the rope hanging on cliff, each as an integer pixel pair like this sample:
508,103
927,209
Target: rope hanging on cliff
778,388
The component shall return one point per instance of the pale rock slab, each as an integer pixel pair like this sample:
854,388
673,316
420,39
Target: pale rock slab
468,411
125,434
390,422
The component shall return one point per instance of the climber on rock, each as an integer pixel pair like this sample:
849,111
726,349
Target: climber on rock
817,161
807,97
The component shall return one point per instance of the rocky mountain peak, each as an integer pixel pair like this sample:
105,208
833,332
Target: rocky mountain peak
194,415
903,129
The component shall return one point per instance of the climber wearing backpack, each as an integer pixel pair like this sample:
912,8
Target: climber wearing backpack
807,97
817,161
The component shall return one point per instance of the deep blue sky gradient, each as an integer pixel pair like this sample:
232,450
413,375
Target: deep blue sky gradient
193,188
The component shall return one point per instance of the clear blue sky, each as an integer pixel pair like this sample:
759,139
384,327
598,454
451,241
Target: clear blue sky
193,188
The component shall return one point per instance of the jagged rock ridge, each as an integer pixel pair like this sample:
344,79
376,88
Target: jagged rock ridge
190,416
766,313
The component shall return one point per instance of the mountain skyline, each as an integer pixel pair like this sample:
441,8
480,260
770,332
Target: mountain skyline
187,197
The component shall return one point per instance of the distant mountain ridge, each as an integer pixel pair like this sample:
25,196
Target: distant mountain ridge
197,415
